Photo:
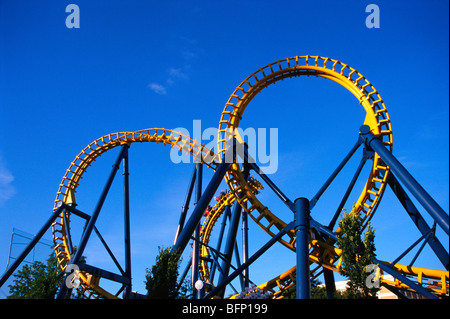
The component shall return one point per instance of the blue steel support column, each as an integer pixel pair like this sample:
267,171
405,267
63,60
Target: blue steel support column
90,225
302,248
245,273
196,245
225,216
126,222
436,212
330,284
230,242
231,237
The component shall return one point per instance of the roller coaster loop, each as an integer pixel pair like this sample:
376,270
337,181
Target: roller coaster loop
312,242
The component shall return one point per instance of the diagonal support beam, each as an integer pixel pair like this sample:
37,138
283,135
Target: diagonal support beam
430,205
31,245
421,290
330,179
347,192
191,224
418,220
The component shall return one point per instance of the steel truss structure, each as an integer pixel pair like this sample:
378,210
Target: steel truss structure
312,242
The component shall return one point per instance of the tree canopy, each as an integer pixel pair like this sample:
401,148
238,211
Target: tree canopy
357,254
36,281
161,279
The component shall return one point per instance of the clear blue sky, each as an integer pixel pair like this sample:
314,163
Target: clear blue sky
139,64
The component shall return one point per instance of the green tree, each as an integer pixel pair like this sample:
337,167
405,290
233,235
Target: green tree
37,281
161,280
357,254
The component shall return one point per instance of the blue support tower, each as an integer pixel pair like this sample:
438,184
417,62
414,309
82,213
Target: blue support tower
302,248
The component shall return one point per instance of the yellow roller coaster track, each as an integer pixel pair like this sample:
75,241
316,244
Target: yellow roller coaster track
377,117
89,284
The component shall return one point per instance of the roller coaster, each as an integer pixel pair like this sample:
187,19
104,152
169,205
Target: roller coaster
313,243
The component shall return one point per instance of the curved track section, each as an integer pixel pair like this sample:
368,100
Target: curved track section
89,284
377,118
435,281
